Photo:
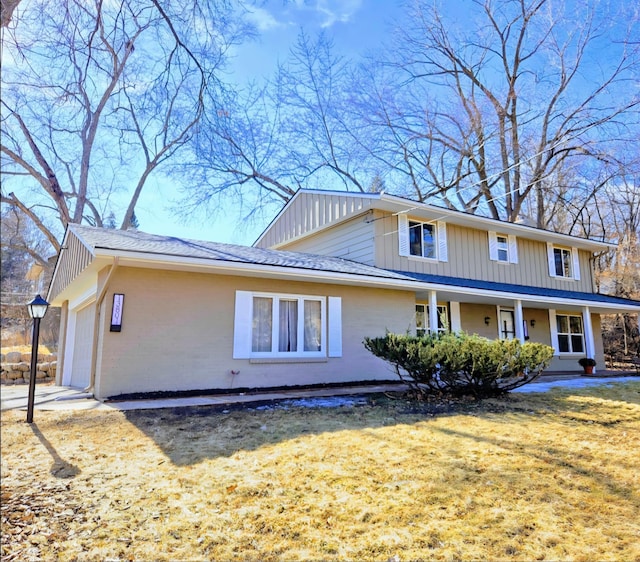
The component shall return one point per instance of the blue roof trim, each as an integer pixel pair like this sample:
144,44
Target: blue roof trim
519,289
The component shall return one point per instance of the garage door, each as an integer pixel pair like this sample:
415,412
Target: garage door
82,346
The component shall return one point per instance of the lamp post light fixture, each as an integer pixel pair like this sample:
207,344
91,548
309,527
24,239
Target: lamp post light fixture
37,309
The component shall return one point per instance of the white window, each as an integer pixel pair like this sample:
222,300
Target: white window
563,262
275,325
570,333
503,248
422,239
422,319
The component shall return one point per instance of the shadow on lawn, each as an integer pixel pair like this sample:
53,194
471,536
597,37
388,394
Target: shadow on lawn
189,435
60,467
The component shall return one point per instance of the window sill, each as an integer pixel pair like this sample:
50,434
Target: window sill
420,258
257,360
562,278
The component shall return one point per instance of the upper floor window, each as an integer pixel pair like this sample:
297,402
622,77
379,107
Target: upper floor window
563,262
422,239
503,248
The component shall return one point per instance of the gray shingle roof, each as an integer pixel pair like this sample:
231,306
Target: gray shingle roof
154,244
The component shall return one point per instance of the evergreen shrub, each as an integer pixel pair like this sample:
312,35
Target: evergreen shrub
460,364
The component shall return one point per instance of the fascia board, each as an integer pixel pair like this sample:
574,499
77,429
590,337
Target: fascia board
140,259
318,276
556,301
398,205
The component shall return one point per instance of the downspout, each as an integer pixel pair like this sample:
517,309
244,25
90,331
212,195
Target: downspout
96,326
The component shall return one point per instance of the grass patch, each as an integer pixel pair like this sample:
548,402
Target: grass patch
532,476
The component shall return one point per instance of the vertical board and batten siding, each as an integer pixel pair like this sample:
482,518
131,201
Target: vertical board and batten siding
73,260
310,212
351,240
468,250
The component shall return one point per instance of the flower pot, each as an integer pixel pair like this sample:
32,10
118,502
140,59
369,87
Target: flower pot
588,370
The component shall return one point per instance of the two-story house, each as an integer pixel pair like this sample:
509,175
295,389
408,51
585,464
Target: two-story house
145,313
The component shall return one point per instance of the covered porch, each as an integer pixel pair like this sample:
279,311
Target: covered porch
567,321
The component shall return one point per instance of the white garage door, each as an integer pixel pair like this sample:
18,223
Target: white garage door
82,346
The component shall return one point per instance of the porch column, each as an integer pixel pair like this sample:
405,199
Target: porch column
433,312
518,319
589,341
456,322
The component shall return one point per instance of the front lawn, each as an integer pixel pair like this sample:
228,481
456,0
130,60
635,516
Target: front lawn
550,476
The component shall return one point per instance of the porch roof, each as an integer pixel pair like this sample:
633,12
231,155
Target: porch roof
613,304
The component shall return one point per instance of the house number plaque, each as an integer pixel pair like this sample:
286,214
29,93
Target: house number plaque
116,313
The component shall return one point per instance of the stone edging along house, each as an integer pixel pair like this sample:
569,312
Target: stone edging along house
146,313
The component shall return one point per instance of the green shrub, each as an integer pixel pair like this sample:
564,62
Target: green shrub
461,364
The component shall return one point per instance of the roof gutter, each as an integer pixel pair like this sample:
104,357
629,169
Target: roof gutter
300,274
96,325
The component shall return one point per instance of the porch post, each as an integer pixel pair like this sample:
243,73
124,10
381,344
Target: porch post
518,319
433,312
589,341
456,322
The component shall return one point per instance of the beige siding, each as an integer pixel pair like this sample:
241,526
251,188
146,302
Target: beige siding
352,240
473,322
73,259
310,212
158,349
468,251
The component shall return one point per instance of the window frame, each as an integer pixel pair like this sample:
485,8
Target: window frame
573,261
502,247
509,247
434,239
439,235
443,309
276,298
570,333
566,259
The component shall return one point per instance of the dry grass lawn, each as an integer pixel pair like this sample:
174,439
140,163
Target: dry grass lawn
550,476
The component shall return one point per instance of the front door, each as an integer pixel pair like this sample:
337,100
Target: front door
507,324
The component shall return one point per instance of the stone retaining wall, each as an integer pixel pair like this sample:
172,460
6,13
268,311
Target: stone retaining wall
15,368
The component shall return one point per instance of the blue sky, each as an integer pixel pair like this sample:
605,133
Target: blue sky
356,27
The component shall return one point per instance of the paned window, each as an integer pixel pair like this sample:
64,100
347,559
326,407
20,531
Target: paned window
287,325
562,262
570,333
503,248
422,239
422,319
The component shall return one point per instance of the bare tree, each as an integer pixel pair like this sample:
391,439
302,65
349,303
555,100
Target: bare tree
97,96
299,129
488,111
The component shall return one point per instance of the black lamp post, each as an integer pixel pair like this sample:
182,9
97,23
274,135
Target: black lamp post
37,309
